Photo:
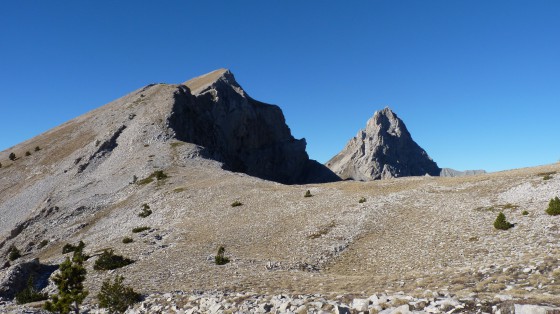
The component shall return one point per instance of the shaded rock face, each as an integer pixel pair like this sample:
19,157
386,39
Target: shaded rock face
15,278
385,149
248,136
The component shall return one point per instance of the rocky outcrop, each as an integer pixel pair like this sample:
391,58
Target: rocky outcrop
248,136
448,172
15,278
384,149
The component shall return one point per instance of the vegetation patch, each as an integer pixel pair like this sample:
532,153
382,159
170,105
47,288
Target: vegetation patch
13,253
307,194
67,248
30,294
547,175
501,223
236,204
158,175
525,213
553,207
140,229
179,190
220,258
108,260
323,230
116,297
362,200
127,240
146,211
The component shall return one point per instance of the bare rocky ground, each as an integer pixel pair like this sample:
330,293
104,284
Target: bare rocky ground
420,239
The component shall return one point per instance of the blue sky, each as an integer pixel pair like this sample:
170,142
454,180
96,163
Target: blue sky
476,82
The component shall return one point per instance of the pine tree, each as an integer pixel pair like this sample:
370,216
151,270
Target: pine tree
501,223
553,207
115,296
69,281
12,156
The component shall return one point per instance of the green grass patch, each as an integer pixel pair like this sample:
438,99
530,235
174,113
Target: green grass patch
140,229
158,175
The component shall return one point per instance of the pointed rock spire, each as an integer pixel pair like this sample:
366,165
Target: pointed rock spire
384,149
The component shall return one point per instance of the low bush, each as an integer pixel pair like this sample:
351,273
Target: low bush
30,294
220,258
501,223
307,194
108,260
127,240
146,211
115,296
362,200
67,248
37,148
140,229
12,156
13,253
27,153
525,213
158,175
236,203
553,207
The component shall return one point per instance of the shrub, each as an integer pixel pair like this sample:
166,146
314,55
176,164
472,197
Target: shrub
115,296
236,203
158,175
69,281
37,148
501,223
220,259
140,229
362,200
127,240
12,156
67,248
0,165
525,213
307,194
27,153
13,253
146,211
553,207
29,294
109,260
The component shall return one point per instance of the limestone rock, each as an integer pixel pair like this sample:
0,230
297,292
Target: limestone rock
448,172
384,149
248,136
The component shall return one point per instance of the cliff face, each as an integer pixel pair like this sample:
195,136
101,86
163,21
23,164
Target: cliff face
384,149
246,135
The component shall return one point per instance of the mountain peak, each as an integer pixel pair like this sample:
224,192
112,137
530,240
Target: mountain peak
384,149
201,83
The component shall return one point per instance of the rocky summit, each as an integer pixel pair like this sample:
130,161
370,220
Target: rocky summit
384,149
246,135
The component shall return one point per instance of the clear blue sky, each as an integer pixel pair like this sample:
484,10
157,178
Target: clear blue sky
476,82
